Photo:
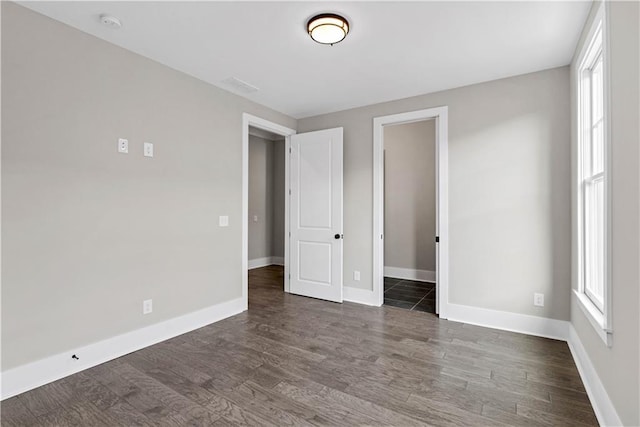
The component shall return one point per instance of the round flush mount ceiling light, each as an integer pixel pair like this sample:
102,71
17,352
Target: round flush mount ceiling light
328,28
110,21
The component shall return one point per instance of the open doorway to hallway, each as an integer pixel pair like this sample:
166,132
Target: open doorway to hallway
266,211
410,215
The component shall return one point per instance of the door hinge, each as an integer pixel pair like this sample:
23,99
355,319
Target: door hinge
289,150
382,236
289,234
437,239
289,191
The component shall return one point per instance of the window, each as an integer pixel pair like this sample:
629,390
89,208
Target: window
593,292
592,148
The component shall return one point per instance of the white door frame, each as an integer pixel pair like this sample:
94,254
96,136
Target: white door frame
257,122
440,114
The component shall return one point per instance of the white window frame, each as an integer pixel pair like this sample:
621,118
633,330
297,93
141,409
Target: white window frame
599,315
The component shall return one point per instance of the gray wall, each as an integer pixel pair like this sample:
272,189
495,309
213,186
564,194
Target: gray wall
260,197
89,233
277,239
509,190
266,198
410,196
619,366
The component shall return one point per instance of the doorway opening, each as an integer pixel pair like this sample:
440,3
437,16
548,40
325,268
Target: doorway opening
266,211
264,205
418,269
409,171
312,210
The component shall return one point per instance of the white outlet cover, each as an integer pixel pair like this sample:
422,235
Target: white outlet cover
356,275
223,221
147,306
538,300
148,149
255,218
123,145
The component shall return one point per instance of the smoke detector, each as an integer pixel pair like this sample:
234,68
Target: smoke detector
110,21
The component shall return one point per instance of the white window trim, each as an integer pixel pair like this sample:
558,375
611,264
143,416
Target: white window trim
601,321
595,317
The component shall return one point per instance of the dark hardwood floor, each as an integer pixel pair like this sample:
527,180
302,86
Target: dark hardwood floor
292,360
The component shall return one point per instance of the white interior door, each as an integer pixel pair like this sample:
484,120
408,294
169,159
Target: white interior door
315,214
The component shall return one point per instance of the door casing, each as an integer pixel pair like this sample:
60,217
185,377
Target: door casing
440,114
257,122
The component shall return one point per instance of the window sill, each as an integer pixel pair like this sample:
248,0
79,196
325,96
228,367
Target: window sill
595,317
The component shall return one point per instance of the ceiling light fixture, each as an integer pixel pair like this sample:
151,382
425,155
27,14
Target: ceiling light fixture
328,28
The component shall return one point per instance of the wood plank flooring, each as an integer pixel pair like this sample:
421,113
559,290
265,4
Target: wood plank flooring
291,360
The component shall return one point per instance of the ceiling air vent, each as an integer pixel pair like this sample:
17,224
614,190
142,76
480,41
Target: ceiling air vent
239,86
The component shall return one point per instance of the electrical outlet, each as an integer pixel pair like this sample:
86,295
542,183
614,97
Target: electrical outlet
123,145
147,306
148,149
356,275
223,221
255,218
538,300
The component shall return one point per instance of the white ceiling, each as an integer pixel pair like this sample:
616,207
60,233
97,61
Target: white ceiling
394,50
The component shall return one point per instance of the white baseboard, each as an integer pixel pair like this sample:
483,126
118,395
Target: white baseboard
360,296
26,377
602,405
514,322
410,274
263,262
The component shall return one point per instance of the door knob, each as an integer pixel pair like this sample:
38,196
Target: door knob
337,236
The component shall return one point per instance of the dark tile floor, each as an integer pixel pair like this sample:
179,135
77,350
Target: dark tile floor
409,294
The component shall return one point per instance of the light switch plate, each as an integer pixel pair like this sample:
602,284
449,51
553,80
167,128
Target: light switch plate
356,275
224,221
148,149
